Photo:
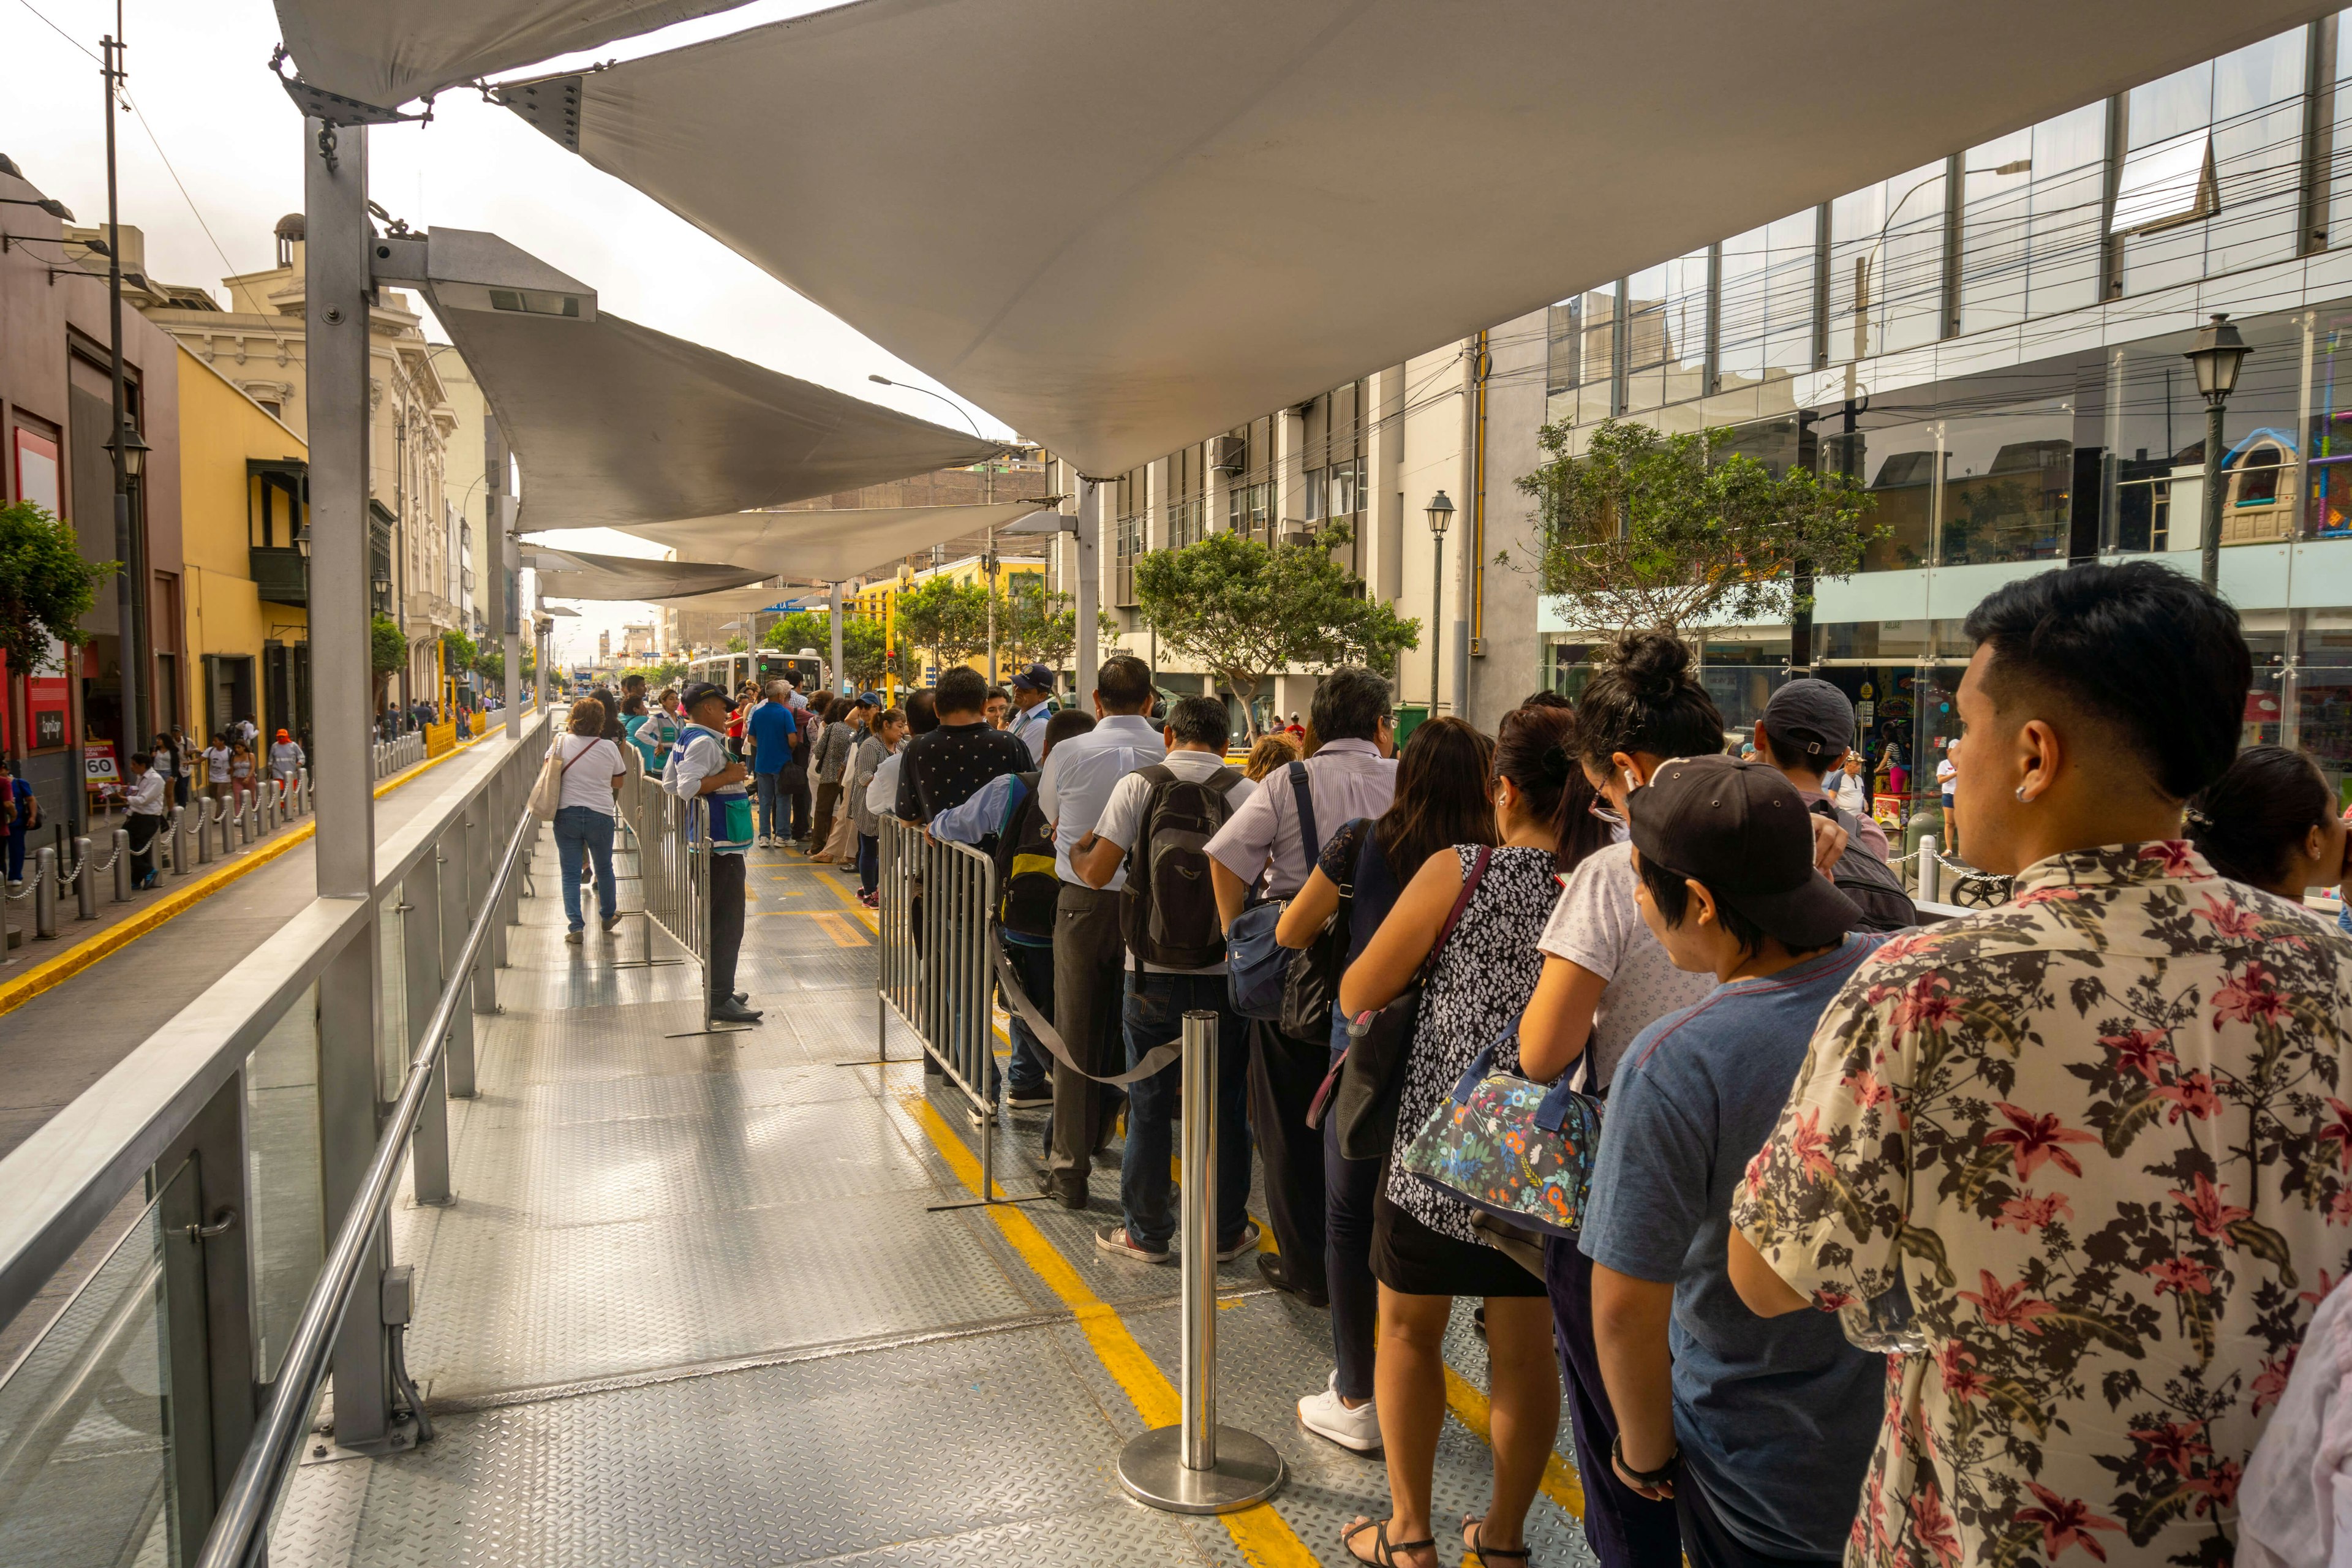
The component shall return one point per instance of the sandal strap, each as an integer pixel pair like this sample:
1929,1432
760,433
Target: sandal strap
1482,1551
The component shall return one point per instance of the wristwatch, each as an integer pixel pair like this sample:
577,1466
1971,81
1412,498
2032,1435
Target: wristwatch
1656,1478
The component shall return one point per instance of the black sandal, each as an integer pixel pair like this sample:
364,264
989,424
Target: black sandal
1476,1526
1384,1551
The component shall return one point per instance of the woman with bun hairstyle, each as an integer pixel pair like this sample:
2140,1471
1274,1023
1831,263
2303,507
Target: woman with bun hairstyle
1424,1252
2270,822
1605,977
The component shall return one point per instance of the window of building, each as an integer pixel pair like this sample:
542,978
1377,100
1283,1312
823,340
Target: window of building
2031,236
1764,311
1666,311
2212,161
1886,266
1249,510
1580,358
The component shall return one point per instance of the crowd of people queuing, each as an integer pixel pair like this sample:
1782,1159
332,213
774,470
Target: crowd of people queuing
1904,1242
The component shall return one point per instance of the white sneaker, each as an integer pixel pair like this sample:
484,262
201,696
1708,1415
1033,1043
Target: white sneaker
1323,1415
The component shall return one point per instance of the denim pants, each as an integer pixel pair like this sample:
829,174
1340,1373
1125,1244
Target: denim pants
869,862
772,800
1348,1186
1624,1529
1154,1014
580,831
1032,965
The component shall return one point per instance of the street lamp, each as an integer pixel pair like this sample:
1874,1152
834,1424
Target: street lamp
129,450
927,392
2219,353
1439,512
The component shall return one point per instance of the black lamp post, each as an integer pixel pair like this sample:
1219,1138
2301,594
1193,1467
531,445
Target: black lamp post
1441,517
2219,353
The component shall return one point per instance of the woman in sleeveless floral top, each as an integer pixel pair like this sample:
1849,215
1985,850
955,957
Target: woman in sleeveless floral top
1423,1251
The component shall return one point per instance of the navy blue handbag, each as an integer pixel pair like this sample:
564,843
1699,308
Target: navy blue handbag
1256,967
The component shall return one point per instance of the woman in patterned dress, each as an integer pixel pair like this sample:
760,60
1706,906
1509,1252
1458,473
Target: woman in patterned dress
1423,1251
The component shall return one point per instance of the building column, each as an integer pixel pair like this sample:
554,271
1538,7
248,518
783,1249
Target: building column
1089,588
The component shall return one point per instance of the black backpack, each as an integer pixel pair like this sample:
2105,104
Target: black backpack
1027,888
1168,913
1870,884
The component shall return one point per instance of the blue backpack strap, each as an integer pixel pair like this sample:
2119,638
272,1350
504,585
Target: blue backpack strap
1302,790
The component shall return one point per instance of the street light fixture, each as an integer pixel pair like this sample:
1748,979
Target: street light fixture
1439,512
927,392
131,451
2218,356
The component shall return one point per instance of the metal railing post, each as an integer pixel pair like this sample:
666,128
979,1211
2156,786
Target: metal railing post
85,889
180,841
420,894
46,892
220,818
1197,1466
1926,877
121,863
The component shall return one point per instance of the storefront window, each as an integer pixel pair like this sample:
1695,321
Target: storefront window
1665,326
2030,226
2154,430
1764,316
1886,266
2209,180
2007,481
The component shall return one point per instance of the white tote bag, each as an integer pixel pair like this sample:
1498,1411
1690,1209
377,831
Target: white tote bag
547,794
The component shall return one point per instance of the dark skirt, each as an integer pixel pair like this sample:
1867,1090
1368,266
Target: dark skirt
1410,1257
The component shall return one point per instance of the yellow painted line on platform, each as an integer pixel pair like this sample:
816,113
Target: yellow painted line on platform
840,890
54,972
838,927
1265,1538
1470,1408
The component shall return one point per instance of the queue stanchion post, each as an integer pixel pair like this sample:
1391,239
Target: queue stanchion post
44,893
1197,1466
85,889
120,861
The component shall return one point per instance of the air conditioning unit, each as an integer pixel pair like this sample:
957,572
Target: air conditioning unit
1228,454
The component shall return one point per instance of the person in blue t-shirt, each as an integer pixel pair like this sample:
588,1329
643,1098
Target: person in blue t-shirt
771,733
1759,1429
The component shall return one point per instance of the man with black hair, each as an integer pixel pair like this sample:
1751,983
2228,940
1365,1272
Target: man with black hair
1267,849
1758,1428
1151,830
1072,787
943,768
2094,1135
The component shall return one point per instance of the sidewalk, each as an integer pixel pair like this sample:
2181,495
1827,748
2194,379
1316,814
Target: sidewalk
68,1018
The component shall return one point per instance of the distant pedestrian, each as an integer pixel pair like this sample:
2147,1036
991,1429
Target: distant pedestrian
1852,792
18,809
145,802
999,704
867,780
286,760
700,770
771,733
1032,696
1278,750
240,768
218,758
829,763
171,764
592,771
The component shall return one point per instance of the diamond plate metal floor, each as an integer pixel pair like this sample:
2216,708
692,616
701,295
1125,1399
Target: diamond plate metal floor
690,1306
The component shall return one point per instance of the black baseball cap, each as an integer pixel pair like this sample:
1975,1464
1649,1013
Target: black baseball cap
1741,830
1810,717
1036,677
700,691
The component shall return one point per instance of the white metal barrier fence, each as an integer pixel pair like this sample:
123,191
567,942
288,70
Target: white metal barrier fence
653,825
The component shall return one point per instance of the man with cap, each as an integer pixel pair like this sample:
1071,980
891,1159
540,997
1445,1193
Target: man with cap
699,769
1759,1429
1806,730
1032,704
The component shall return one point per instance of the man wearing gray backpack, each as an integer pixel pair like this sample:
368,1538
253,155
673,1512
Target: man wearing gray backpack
1157,824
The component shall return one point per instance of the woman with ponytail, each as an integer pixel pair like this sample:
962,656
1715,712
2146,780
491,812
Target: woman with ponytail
1424,1252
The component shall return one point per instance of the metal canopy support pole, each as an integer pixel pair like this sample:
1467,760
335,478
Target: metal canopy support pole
335,315
841,682
1089,593
1197,1466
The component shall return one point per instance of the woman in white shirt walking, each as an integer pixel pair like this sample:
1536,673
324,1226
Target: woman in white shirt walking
592,772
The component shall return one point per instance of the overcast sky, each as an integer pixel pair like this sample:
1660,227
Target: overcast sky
199,79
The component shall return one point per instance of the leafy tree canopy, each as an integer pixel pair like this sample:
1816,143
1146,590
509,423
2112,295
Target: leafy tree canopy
1246,609
46,588
948,618
861,642
1652,530
387,645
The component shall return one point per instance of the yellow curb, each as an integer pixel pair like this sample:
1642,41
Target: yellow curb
51,972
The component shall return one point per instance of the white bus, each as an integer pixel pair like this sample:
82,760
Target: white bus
729,671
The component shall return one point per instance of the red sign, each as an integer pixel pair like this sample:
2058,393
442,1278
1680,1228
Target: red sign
2262,708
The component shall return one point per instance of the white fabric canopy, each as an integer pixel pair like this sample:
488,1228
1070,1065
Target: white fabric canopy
828,545
385,52
734,600
577,574
616,424
1238,206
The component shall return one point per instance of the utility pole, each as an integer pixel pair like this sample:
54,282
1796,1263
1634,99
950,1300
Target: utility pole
129,533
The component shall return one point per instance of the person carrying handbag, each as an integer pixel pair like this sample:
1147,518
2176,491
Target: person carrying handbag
1466,926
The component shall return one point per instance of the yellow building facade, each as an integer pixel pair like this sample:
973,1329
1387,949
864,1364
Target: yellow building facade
244,482
877,600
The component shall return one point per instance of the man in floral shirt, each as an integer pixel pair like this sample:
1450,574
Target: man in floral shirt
2100,1135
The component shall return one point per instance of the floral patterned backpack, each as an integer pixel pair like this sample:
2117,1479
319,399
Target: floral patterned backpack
1516,1149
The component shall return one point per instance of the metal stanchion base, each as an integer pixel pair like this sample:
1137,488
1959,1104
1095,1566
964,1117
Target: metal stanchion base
986,1203
1151,1468
711,1029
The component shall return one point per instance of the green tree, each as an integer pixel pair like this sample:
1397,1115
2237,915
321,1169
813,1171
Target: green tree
1650,531
46,588
737,645
1035,626
669,672
458,654
948,618
387,645
1246,609
862,642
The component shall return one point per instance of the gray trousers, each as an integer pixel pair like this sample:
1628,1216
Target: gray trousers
1088,991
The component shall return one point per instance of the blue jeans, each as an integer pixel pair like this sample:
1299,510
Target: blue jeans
1032,1072
579,829
772,800
1348,1186
1153,1014
869,862
16,854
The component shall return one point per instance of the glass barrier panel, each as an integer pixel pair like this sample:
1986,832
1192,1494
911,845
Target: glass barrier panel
285,1196
86,1457
391,982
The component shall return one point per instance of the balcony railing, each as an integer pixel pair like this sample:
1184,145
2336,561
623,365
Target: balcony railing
281,574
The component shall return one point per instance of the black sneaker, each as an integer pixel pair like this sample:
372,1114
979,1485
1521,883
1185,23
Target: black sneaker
733,1012
1271,1268
1039,1099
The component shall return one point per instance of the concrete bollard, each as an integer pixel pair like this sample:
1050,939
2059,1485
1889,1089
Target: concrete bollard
85,885
1929,891
45,894
122,863
179,844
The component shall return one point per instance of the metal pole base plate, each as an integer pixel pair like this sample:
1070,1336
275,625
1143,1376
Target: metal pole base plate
1151,1468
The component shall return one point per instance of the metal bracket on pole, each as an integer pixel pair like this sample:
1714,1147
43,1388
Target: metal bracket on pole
1197,1466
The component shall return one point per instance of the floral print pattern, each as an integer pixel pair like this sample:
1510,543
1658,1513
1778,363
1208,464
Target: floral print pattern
2103,1136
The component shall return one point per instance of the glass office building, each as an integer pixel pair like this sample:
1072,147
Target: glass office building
1993,343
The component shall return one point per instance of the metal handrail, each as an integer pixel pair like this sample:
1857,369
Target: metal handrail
267,1461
